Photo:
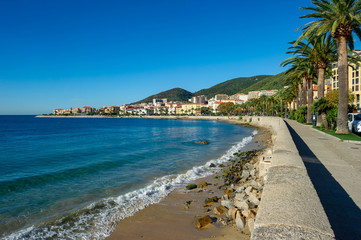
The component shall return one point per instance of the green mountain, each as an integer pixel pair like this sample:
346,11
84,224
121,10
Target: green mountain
231,87
175,94
275,82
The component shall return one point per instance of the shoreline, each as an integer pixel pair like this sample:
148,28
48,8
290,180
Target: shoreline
144,117
170,217
170,212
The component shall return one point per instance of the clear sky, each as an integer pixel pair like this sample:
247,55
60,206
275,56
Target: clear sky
75,53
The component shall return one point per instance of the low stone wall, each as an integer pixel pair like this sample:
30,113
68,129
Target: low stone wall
290,207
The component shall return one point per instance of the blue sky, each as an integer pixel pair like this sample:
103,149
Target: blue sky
69,53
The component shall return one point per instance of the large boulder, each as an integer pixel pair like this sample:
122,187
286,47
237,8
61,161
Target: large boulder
191,186
204,142
239,220
203,222
220,210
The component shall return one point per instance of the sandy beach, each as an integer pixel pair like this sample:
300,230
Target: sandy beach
173,219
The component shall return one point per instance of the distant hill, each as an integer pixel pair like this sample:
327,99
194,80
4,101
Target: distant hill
272,82
175,94
232,86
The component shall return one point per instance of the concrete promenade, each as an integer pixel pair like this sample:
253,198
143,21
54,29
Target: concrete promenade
334,168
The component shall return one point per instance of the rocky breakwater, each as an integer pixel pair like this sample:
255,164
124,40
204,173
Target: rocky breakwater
290,207
243,180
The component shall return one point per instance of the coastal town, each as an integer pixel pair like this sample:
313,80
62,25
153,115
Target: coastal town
195,106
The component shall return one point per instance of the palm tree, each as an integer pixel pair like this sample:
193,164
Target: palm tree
322,105
340,18
302,67
263,99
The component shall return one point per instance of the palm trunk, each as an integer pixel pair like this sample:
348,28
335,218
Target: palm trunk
299,95
342,127
281,108
304,91
325,123
320,89
310,100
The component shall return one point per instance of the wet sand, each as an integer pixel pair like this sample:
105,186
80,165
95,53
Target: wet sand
171,219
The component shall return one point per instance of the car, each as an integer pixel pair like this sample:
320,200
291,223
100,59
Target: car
354,122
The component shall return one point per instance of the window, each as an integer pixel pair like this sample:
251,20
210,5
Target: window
357,88
356,80
357,97
357,74
334,72
353,81
353,74
357,67
337,84
334,85
353,88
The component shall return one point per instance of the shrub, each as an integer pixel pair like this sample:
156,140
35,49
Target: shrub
300,114
293,114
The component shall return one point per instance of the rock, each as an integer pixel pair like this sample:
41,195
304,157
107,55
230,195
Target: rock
210,201
221,165
191,186
248,190
204,142
239,196
220,210
229,192
240,189
254,184
253,199
215,199
246,213
250,223
239,220
187,204
253,172
225,203
252,214
203,222
212,165
203,184
232,213
242,205
245,173
225,197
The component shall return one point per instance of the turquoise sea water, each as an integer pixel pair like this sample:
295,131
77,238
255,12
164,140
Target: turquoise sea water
66,178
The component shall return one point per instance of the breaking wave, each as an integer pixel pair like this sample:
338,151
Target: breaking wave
98,220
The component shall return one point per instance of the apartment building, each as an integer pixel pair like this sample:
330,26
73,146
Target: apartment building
199,99
354,80
239,96
220,97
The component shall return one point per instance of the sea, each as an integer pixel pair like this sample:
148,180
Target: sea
75,178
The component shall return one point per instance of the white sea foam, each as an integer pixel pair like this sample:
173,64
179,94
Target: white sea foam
99,219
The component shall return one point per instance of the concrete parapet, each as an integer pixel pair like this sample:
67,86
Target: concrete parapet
290,207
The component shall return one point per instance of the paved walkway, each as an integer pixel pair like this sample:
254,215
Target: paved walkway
334,168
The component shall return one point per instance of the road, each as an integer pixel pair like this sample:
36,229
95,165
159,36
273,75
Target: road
334,168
